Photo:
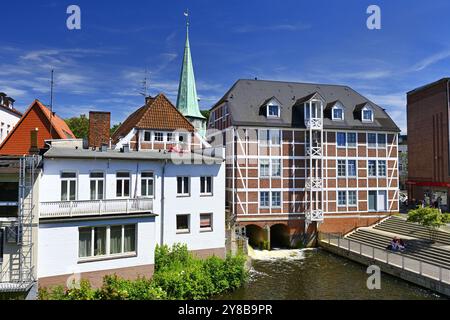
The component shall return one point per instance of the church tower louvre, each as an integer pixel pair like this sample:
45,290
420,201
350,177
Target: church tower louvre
187,101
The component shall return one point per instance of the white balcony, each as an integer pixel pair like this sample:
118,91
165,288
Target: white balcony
314,123
314,184
314,215
314,152
62,209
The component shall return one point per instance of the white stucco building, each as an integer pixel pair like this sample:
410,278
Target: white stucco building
9,116
103,211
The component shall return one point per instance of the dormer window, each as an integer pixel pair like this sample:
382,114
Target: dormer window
273,111
337,113
367,114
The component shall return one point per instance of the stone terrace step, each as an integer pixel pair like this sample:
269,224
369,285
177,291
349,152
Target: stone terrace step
416,249
401,227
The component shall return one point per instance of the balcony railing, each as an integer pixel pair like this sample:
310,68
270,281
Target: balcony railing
314,184
314,215
314,123
82,208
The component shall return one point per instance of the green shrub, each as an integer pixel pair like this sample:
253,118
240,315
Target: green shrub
178,275
430,218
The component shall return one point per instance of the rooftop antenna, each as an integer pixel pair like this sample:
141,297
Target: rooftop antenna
145,84
52,83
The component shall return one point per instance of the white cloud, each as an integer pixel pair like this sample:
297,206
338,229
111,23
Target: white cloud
278,27
425,63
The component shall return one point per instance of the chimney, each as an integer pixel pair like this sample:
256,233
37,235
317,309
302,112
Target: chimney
148,100
34,148
10,102
99,128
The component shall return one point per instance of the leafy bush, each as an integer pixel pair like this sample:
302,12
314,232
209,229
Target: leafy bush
430,218
178,275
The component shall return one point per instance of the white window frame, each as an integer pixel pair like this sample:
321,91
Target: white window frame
337,168
368,168
264,173
147,179
68,180
372,145
348,168
123,196
367,108
338,198
352,144
205,185
268,199
337,107
158,133
382,146
207,229
183,231
272,197
96,180
277,115
356,198
379,173
109,255
337,140
183,183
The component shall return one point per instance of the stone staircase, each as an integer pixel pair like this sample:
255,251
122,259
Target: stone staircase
399,226
417,249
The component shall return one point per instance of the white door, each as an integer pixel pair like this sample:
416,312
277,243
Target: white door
382,201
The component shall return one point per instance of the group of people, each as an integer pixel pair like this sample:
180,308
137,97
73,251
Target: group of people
397,244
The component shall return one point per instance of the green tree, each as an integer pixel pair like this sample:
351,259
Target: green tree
79,126
114,128
430,218
205,113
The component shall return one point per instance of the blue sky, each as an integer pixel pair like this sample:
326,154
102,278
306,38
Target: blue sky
101,66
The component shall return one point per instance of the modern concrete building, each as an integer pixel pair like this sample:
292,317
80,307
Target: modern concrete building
105,209
302,157
9,116
428,143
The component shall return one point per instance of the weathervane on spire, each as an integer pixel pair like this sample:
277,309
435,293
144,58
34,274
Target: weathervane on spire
186,14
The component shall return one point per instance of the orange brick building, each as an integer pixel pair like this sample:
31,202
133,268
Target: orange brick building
305,157
45,125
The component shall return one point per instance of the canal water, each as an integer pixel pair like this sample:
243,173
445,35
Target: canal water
314,274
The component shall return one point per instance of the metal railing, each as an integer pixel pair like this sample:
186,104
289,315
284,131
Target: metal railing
425,269
79,208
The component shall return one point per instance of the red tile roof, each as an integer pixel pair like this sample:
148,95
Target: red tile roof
50,126
158,114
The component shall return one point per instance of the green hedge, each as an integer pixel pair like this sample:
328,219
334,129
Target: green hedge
178,275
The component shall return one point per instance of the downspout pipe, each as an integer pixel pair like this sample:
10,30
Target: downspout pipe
163,177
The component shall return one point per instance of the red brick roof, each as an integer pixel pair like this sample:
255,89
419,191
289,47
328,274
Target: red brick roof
158,114
18,141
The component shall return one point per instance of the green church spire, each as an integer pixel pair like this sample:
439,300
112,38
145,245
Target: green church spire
187,101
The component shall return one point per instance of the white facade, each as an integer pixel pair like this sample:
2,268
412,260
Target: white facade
8,120
59,252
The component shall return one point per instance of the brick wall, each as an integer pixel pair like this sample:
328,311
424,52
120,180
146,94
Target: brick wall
99,128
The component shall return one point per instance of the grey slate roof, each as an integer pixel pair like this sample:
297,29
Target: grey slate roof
245,97
72,153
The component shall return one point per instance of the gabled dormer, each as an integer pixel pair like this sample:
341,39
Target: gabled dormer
271,108
335,111
365,112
